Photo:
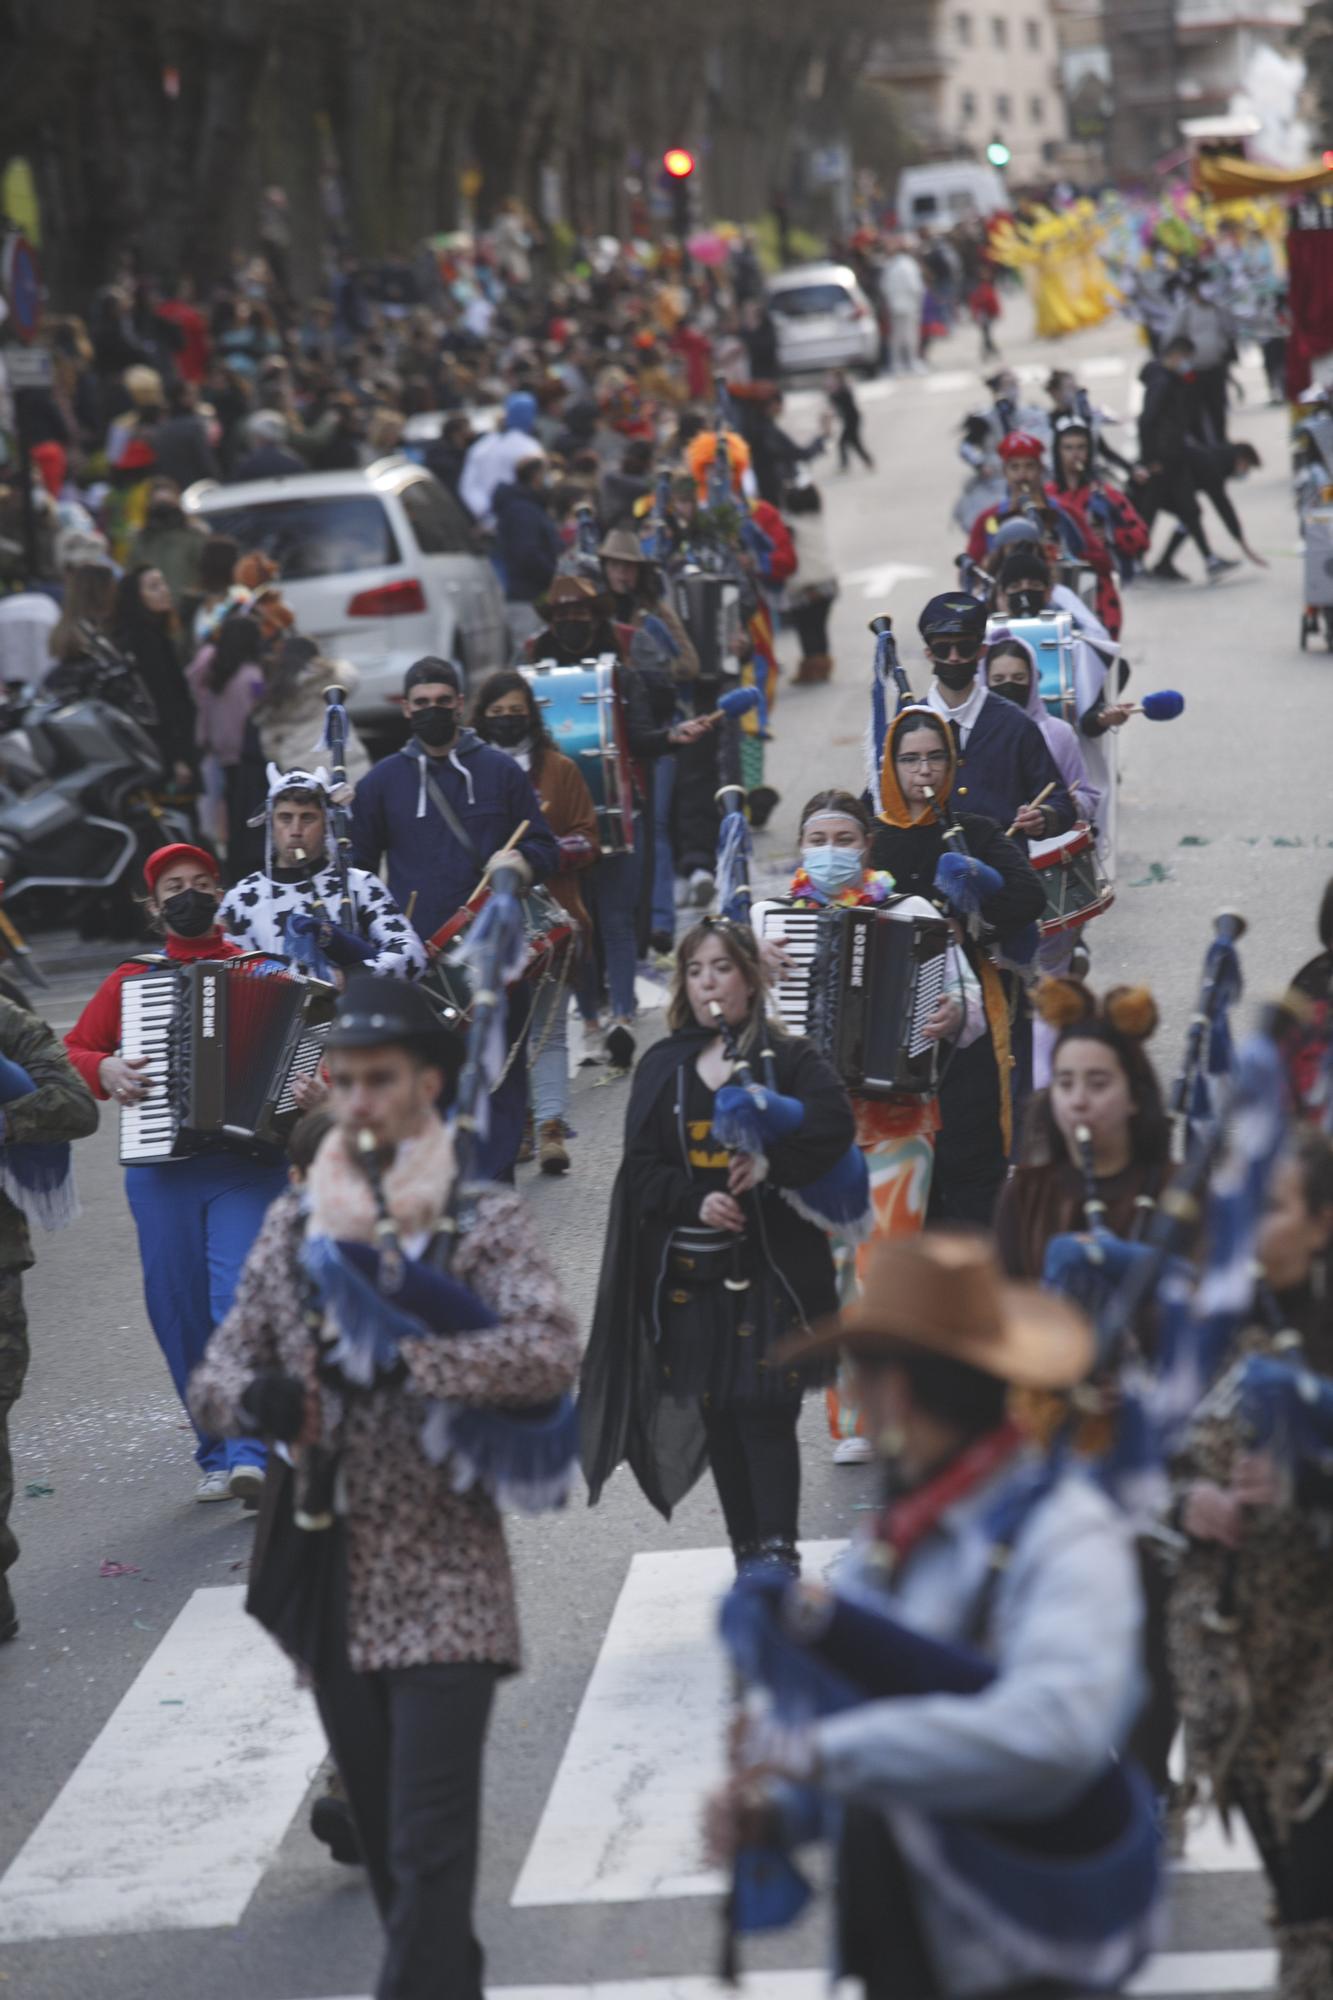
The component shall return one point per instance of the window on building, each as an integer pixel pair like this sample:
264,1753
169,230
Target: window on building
999,31
1036,110
1032,29
962,28
1004,109
967,106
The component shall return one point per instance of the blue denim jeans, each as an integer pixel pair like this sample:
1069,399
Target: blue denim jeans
611,891
548,1052
664,861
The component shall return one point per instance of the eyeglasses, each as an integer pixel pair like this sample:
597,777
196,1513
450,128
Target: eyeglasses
916,761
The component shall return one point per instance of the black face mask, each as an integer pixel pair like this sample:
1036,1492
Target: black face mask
190,913
955,674
573,635
507,730
1027,603
1015,691
435,727
165,514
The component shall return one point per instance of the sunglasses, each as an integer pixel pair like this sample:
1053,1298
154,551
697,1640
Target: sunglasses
962,650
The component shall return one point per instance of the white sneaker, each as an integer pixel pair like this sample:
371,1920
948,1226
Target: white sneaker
214,1486
245,1482
699,893
852,1451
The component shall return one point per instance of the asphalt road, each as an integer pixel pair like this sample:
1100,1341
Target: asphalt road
153,1764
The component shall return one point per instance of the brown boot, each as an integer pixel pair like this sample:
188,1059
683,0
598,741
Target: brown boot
527,1145
552,1153
813,671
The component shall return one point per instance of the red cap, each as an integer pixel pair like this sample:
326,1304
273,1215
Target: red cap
163,858
1020,444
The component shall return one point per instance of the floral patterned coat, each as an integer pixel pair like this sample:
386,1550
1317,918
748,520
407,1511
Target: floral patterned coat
428,1575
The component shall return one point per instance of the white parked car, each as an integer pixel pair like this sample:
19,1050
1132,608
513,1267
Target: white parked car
824,319
379,566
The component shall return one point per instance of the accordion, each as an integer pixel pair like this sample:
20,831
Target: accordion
709,607
862,983
224,1041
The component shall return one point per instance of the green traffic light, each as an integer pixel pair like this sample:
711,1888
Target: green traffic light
998,153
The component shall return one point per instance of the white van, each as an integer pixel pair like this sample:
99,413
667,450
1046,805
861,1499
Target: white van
947,191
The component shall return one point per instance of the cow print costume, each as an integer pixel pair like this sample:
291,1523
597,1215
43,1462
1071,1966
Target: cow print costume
255,913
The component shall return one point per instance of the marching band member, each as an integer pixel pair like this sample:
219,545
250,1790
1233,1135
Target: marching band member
976,1108
1010,671
196,1217
421,1623
1003,762
302,875
1111,529
1104,1086
436,812
897,1134
1251,1608
986,1628
710,1262
506,714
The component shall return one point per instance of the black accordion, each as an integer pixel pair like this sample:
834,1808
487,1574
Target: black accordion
709,607
862,983
224,1041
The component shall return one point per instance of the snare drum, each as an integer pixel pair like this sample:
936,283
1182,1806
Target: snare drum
1076,890
1051,638
549,931
584,710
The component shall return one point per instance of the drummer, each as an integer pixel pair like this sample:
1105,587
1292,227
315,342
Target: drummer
437,811
580,630
1024,589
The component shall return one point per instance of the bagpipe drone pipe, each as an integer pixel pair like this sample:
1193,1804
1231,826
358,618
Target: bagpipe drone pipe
372,1297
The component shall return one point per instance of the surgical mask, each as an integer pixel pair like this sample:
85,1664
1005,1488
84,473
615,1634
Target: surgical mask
190,913
1027,603
509,732
434,726
832,868
1015,691
955,674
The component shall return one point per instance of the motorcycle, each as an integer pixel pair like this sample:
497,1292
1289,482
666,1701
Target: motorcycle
80,796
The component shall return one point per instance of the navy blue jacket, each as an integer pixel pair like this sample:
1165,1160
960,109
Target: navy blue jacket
1005,765
394,815
527,542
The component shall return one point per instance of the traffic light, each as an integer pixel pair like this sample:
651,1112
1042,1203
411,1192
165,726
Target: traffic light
678,165
998,153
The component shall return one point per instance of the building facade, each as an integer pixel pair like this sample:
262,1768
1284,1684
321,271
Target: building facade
1174,59
970,71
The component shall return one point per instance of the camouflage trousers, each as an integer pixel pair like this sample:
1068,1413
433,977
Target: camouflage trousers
13,1368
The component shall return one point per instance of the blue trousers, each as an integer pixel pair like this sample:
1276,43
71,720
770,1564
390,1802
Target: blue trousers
664,860
196,1220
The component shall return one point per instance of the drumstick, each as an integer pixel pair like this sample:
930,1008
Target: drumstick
411,905
1040,800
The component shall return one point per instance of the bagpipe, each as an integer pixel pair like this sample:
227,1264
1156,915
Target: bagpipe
1073,1895
319,940
372,1297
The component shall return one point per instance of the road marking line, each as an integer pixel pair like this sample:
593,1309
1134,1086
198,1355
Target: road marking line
880,578
950,380
1179,1974
178,1807
621,1824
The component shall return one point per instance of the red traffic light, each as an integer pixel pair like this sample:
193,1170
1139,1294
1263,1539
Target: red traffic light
678,163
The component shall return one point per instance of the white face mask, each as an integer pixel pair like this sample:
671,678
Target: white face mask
832,868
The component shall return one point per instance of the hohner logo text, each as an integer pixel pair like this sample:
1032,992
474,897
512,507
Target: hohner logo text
208,1011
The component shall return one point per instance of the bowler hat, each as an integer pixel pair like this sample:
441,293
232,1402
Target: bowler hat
374,1012
943,1293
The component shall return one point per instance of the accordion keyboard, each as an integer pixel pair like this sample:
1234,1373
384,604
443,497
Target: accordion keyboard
925,999
148,1130
798,931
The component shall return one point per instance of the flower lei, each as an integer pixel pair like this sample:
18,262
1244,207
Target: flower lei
875,886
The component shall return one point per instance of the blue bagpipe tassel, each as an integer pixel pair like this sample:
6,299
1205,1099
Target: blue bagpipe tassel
501,920
369,1325
768,1890
524,1459
839,1200
964,882
736,1123
37,1175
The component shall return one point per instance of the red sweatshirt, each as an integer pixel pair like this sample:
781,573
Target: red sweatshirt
96,1033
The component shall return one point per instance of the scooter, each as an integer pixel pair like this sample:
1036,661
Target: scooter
80,809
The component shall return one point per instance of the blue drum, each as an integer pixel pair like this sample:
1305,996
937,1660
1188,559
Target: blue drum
1051,638
584,709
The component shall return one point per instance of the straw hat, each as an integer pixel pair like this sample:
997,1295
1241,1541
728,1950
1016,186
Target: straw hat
943,1293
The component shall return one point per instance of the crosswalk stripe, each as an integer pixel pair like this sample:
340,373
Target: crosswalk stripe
621,1824
179,1805
1175,1975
